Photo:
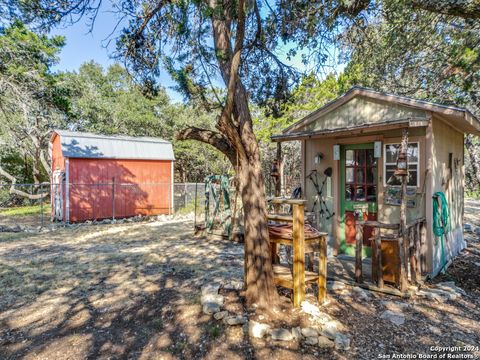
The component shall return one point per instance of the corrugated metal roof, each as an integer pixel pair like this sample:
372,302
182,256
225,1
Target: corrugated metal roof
86,145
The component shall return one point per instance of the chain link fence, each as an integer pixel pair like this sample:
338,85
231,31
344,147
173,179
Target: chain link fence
39,205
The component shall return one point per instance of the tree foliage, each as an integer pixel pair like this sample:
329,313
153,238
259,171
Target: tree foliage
423,54
110,102
31,100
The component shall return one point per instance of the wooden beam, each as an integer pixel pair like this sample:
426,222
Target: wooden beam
280,217
378,257
288,201
278,183
377,224
358,253
298,254
322,271
411,252
403,218
352,130
384,290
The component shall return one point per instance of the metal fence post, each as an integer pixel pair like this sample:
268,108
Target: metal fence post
195,209
113,198
41,204
185,196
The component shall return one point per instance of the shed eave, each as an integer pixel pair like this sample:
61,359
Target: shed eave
118,158
352,130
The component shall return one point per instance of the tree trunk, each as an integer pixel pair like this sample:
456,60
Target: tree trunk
259,280
235,138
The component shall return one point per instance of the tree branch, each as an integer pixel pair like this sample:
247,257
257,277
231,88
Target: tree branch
217,140
467,9
15,191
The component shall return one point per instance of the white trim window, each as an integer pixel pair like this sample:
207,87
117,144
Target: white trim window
390,164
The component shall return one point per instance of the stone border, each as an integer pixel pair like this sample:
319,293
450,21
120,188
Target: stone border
328,332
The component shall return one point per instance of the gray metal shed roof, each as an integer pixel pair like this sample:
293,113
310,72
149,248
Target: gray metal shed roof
86,145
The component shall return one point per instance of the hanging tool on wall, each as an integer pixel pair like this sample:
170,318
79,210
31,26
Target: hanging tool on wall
323,211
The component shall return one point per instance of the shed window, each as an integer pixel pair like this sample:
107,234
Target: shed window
390,164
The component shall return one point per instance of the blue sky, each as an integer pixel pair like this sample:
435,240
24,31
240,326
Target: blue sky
84,44
98,44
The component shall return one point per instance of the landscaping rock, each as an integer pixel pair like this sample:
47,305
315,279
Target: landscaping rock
342,342
467,227
220,315
234,285
312,340
335,285
325,343
435,330
210,308
309,332
235,320
395,306
258,330
313,310
212,298
16,229
331,328
281,334
451,287
310,308
362,294
440,294
210,288
396,318
297,333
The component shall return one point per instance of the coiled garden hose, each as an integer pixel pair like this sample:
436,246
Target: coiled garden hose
441,222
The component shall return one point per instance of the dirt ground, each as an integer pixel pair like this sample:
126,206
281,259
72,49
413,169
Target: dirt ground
132,291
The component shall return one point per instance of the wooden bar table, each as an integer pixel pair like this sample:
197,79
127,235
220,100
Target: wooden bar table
301,244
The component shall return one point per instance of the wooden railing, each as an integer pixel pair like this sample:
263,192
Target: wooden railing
413,258
415,243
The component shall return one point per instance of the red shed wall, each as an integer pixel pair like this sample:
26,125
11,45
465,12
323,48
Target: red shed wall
58,161
141,187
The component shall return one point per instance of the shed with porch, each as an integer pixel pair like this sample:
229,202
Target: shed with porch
358,136
98,176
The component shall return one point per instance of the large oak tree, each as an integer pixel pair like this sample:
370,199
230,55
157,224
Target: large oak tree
206,44
234,43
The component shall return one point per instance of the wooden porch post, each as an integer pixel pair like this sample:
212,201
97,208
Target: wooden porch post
322,271
378,257
298,254
358,253
403,236
278,183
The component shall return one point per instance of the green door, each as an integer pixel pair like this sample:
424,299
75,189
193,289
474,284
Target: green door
358,194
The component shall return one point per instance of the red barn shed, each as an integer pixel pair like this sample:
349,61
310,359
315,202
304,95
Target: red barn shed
97,176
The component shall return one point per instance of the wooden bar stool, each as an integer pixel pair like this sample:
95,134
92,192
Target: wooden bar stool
297,279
